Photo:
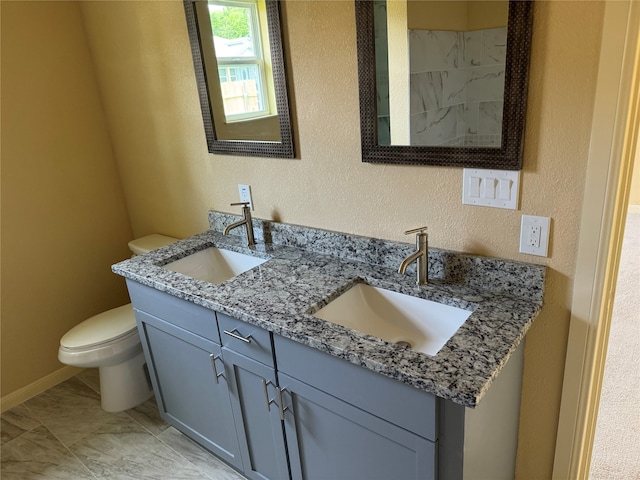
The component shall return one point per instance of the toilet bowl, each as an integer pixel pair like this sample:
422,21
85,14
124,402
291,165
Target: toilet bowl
110,342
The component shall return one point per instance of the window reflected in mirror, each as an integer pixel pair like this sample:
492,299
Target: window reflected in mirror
244,66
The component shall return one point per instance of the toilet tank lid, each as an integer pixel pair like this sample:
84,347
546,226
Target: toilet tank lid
150,242
104,327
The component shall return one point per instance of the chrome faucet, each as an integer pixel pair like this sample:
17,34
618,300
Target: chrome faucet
421,255
246,221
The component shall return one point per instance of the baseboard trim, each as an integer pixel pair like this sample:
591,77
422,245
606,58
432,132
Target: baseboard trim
23,394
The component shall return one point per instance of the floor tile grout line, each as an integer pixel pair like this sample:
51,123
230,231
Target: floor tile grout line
127,412
144,427
93,475
184,457
79,377
140,424
147,430
67,452
66,448
58,439
34,415
8,442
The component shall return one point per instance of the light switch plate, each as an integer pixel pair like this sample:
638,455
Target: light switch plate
491,188
534,235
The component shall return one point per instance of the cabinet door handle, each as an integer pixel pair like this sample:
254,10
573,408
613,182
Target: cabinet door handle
281,409
235,334
269,401
216,375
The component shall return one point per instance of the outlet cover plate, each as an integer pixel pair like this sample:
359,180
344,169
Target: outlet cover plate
244,191
534,235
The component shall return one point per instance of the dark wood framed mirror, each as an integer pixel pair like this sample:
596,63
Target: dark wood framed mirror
240,73
471,142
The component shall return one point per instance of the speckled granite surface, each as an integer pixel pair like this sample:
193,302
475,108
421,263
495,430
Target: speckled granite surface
300,277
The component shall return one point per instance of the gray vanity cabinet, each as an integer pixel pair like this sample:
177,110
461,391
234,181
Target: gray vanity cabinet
251,376
344,422
277,409
209,374
187,371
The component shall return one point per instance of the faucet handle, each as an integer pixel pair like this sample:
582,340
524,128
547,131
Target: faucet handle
244,204
415,230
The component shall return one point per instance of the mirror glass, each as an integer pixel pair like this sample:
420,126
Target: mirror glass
443,82
451,91
238,58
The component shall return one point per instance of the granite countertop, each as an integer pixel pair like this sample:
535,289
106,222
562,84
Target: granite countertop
281,294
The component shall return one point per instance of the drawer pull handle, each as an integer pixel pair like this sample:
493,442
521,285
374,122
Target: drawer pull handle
216,375
266,393
235,334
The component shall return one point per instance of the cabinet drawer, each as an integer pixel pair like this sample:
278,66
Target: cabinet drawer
400,404
256,343
183,314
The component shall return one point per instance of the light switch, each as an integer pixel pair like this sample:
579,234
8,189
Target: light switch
490,188
504,189
474,187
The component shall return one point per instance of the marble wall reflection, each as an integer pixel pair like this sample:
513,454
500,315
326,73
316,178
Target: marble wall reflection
456,87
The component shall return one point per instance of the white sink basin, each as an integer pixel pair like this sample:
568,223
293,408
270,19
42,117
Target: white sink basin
214,265
425,325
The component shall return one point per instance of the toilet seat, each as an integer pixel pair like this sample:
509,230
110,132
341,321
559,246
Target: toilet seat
108,327
105,339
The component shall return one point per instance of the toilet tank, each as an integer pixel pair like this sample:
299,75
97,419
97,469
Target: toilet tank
145,244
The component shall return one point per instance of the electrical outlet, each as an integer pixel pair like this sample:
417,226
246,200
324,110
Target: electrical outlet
245,194
534,235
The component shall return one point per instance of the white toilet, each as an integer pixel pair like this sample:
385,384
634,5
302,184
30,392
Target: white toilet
110,341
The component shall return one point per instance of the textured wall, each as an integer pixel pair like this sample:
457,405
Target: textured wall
64,220
144,67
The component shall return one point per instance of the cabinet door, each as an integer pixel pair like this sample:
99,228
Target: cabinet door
189,383
331,439
258,423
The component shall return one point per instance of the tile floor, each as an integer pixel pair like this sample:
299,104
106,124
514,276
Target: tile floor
64,434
